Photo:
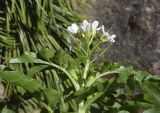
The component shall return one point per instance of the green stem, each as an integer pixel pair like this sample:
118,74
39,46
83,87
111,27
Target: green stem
86,69
90,101
99,55
90,40
88,58
75,40
95,46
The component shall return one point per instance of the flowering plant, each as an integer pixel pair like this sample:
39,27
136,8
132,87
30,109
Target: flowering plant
79,84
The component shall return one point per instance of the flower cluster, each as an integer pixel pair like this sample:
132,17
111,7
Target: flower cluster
86,26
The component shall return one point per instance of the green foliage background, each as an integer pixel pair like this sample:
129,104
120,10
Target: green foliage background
27,25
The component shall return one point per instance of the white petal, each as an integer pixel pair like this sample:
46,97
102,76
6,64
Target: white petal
103,31
86,26
83,26
74,27
112,38
95,25
70,29
85,22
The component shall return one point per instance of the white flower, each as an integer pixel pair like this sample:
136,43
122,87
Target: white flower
112,38
109,37
73,28
89,27
95,25
86,26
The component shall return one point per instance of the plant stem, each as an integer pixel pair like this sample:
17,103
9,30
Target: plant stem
88,58
99,55
86,69
91,100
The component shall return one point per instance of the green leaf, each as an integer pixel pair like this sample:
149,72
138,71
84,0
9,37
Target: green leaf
76,62
64,107
140,75
62,58
153,78
46,53
152,89
116,105
2,67
130,86
36,69
52,96
124,73
153,110
139,104
6,110
19,79
119,92
25,58
124,111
